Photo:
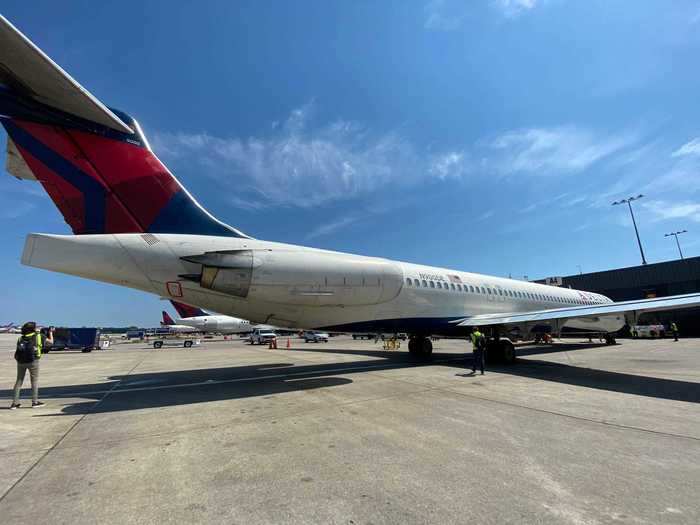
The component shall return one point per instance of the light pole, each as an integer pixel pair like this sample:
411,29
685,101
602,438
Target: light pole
676,234
628,201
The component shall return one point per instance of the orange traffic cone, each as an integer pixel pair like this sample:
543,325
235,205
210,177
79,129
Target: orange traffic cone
289,344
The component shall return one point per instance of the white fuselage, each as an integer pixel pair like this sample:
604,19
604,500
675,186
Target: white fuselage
180,328
221,324
294,286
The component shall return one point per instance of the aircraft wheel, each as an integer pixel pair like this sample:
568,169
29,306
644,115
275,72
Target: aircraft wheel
188,344
420,347
158,344
610,339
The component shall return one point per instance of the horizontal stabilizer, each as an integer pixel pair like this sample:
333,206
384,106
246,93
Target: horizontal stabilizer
657,304
26,69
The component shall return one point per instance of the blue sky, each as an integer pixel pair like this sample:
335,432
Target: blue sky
482,135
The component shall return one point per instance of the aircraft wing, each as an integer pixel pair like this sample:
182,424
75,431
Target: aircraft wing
27,69
657,304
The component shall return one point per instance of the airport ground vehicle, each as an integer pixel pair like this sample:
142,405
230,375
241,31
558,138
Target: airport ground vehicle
311,336
651,330
85,339
135,334
135,225
261,336
187,343
364,336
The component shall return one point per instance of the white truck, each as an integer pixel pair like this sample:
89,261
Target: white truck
262,336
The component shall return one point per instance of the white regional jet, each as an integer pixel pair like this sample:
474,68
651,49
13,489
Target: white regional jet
135,225
205,322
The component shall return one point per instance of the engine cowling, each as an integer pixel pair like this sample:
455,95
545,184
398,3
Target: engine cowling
304,277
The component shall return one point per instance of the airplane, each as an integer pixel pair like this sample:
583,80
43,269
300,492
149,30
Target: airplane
9,328
135,225
205,322
174,327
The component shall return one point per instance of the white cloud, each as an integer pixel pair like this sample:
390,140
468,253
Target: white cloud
449,15
444,15
511,8
333,226
664,210
691,148
16,209
299,165
447,165
553,151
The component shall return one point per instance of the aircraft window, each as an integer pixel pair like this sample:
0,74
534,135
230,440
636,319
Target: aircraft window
500,292
471,288
483,290
510,292
488,290
425,283
432,284
409,281
416,282
439,284
453,287
459,287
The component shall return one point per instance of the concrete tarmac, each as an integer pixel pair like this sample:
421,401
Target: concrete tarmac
345,432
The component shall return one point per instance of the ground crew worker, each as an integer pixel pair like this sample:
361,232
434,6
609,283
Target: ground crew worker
479,352
674,329
27,355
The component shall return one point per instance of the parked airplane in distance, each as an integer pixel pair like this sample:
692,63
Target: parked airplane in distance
10,328
174,327
204,322
135,225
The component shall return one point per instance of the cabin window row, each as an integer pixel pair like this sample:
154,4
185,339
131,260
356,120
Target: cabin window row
423,283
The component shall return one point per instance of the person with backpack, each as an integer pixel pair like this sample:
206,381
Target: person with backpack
27,355
479,344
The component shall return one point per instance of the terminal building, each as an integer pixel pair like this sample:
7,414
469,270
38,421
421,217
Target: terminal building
638,282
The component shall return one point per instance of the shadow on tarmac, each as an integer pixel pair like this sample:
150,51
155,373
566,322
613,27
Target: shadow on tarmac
162,389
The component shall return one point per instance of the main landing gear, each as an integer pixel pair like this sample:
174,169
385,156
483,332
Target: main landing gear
500,351
610,339
420,346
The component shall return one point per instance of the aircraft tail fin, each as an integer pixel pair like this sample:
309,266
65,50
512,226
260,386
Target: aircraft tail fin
167,320
185,310
94,162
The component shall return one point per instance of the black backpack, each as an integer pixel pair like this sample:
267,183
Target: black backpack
26,349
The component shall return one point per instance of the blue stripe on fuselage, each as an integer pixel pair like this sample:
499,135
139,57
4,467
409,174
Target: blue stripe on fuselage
414,325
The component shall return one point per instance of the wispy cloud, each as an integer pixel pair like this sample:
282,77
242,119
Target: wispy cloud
334,225
511,8
443,15
300,165
664,210
16,209
691,148
554,151
450,15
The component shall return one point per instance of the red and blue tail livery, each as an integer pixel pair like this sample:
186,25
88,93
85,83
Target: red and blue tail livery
185,310
167,320
93,161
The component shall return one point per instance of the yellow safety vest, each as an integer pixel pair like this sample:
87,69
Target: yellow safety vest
475,337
